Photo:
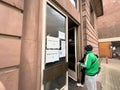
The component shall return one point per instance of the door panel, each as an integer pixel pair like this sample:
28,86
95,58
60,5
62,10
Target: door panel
71,49
72,55
55,50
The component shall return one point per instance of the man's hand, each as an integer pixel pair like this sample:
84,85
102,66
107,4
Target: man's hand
81,64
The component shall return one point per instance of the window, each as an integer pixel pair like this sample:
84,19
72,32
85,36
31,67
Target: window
91,15
55,36
74,2
55,49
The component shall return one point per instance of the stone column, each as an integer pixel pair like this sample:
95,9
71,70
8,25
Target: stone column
28,64
81,40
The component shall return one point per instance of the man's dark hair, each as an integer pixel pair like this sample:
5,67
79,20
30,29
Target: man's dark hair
88,48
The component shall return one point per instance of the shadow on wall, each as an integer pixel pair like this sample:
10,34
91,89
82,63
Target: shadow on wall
2,87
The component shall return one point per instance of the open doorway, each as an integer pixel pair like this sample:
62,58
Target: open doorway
72,49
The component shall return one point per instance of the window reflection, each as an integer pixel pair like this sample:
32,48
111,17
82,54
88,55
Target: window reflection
71,49
56,84
55,22
55,36
74,2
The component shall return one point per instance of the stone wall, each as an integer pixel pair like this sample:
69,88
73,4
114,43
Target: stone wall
10,42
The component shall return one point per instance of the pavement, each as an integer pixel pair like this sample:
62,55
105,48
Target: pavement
72,85
108,78
110,74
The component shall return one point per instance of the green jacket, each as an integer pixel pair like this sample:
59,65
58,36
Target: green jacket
91,64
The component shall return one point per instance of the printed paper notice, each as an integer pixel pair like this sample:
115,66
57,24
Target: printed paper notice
53,42
61,35
62,51
52,56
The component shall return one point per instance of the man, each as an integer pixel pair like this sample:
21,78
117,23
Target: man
91,68
81,83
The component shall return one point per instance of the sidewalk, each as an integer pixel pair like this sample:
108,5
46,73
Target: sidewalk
108,78
110,75
72,85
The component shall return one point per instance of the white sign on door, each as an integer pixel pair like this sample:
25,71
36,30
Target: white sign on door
62,51
53,42
52,56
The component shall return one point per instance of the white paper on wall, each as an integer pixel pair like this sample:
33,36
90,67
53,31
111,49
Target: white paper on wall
53,42
62,51
61,35
52,56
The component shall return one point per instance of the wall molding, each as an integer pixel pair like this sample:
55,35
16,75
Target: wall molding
109,39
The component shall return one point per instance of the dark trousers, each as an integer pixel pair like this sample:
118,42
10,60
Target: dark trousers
82,76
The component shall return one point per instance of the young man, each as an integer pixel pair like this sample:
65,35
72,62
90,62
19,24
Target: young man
91,68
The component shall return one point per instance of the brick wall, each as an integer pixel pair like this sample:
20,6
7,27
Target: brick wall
89,30
109,24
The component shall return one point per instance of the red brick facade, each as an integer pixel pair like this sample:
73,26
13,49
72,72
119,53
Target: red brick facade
109,24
